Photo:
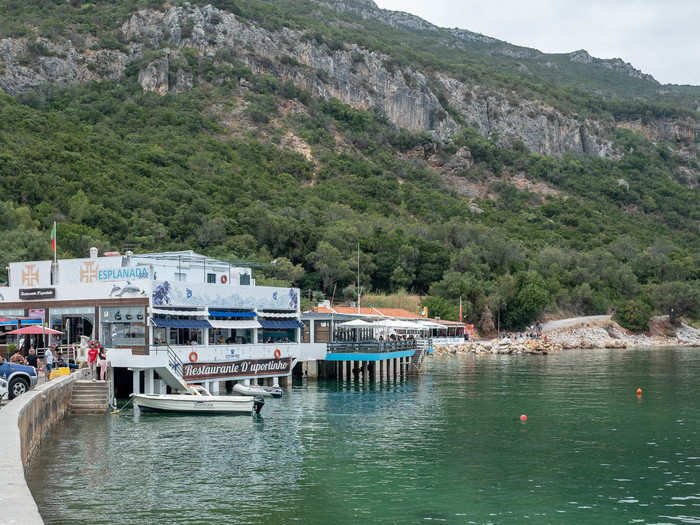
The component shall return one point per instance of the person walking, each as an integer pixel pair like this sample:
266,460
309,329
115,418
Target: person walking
92,360
48,357
103,363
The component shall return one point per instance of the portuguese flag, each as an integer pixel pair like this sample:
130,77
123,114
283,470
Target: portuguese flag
53,237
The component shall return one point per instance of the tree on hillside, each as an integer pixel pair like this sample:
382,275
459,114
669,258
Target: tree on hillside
529,301
677,299
330,264
486,326
633,315
439,307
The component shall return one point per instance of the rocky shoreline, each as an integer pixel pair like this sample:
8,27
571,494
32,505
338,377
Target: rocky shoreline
607,334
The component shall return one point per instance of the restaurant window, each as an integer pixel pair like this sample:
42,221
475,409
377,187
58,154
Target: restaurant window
322,332
8,321
211,278
185,336
74,322
123,326
306,338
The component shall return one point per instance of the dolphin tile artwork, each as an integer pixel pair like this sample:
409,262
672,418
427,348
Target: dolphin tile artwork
190,294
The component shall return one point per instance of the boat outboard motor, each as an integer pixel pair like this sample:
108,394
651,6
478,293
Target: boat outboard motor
258,403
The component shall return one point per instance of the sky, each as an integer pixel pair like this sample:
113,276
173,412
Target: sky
660,37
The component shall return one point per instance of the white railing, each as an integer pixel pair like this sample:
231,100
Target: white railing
448,340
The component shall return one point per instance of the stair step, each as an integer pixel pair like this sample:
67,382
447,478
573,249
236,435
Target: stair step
88,411
90,393
96,394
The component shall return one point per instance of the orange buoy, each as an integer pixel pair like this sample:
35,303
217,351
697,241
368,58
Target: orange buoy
523,417
278,354
639,391
193,357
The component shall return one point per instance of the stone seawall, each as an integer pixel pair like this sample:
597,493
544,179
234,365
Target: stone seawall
23,423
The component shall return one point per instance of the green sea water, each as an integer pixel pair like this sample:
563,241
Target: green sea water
445,447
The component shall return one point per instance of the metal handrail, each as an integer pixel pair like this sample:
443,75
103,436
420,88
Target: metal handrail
175,362
371,347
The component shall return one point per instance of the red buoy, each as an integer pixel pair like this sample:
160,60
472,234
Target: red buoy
639,391
523,417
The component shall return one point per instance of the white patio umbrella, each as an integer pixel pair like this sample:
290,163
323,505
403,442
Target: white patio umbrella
356,323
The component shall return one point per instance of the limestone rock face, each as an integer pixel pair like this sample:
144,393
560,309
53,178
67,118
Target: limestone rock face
358,77
25,64
154,77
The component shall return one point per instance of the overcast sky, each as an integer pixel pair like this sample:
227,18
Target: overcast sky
660,37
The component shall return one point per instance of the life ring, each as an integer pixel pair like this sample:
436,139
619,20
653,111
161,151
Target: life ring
278,354
193,357
224,279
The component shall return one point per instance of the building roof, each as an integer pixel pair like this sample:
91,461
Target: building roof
368,311
445,322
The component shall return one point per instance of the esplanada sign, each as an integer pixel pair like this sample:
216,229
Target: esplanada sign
243,368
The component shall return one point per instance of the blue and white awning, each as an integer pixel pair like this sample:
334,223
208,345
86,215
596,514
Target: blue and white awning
229,313
180,323
280,324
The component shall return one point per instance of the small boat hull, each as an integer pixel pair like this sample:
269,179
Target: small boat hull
188,404
256,390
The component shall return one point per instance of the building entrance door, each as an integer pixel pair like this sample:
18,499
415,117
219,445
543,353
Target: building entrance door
75,326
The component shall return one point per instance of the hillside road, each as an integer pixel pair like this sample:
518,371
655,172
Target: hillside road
574,321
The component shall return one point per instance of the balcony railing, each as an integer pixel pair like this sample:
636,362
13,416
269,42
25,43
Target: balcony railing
372,347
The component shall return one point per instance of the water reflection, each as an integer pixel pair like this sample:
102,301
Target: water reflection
447,446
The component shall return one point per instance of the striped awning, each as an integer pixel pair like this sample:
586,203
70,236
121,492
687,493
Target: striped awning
233,325
180,323
230,313
277,315
281,324
167,311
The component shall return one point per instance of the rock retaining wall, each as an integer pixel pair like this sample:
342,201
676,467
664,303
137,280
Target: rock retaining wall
23,423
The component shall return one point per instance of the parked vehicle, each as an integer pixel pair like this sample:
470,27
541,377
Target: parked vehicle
20,378
3,389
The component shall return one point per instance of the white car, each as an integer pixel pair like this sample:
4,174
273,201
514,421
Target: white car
3,388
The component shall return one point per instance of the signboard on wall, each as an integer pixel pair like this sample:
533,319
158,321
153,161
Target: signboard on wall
233,369
30,274
33,294
101,269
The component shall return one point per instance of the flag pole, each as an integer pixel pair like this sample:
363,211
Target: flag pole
53,272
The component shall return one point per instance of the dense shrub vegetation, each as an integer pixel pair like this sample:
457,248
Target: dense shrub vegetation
117,166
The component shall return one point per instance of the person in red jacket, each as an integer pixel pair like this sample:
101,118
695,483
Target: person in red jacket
92,359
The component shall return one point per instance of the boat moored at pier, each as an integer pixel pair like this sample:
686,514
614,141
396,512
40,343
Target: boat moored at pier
199,401
257,390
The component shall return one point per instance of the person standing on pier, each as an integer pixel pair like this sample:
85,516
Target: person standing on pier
92,359
103,363
48,357
31,358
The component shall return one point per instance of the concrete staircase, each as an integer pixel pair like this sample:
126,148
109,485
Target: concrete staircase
89,397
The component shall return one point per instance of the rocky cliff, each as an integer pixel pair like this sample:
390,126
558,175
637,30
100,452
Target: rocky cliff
359,77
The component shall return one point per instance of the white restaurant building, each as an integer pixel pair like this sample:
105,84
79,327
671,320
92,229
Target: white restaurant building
151,311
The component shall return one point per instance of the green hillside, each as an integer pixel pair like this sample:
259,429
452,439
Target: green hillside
246,166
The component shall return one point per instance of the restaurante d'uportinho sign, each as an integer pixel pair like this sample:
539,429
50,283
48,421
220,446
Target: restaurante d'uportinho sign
243,368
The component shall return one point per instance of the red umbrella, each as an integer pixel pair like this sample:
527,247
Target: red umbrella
33,330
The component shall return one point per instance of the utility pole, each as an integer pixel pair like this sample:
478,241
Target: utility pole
358,278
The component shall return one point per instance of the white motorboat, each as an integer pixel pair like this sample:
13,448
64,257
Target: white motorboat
257,390
198,400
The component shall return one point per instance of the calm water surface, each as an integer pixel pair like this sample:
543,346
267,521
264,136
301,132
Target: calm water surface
445,447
